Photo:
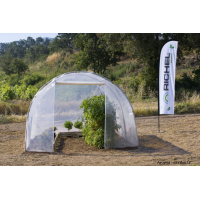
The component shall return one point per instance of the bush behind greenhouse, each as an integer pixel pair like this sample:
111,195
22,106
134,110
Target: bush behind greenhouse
8,92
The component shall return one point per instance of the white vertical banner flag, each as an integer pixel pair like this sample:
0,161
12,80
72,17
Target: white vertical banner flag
167,77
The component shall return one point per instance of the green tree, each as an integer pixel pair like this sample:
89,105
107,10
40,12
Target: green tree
3,47
31,54
46,41
30,42
114,42
17,49
190,43
146,47
63,41
94,53
29,49
18,66
5,64
39,40
38,51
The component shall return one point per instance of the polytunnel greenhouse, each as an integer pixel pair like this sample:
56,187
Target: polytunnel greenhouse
60,99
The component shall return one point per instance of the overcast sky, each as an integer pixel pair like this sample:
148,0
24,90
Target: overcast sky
10,37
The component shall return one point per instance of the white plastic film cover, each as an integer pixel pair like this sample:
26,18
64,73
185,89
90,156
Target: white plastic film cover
120,130
40,121
56,103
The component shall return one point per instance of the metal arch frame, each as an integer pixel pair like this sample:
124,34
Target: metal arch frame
71,73
82,72
88,73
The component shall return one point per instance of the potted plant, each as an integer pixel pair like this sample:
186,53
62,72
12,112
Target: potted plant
68,125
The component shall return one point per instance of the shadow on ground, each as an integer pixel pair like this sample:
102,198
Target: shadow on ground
149,145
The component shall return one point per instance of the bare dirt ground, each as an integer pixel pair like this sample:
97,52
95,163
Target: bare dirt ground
176,144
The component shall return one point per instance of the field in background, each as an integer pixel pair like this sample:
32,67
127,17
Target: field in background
16,110
187,105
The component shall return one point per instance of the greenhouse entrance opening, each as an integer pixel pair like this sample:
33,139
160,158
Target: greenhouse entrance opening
60,99
68,99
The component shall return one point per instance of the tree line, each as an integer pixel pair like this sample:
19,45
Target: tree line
98,51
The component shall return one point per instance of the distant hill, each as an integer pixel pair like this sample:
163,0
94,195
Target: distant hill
51,40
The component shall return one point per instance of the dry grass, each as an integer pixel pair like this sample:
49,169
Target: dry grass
14,107
145,108
35,67
12,118
145,111
13,111
16,110
53,58
189,104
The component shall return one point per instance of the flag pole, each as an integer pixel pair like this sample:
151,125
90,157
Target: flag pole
159,84
158,95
